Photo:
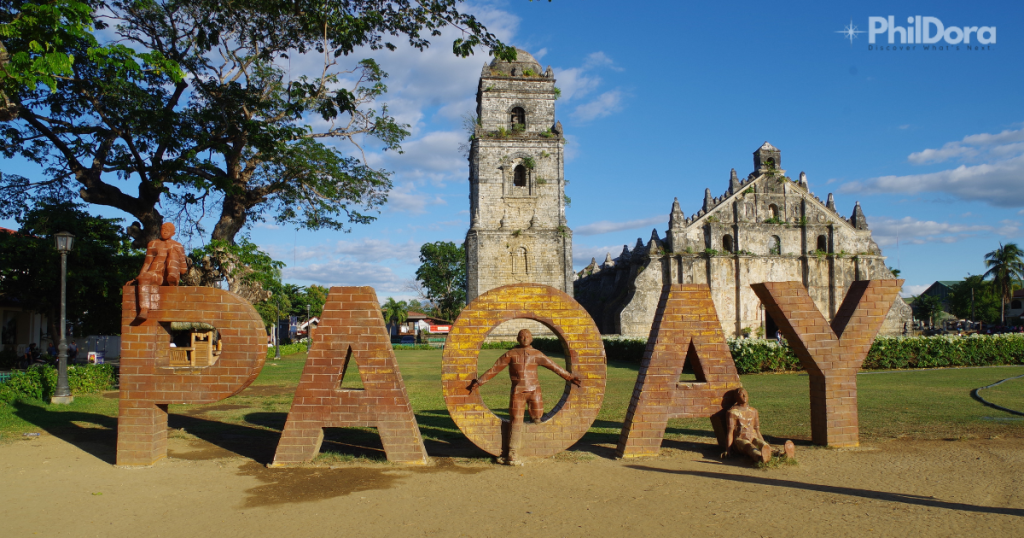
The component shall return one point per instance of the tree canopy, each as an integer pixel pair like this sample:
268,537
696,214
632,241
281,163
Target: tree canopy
99,264
442,273
189,106
1006,268
395,312
985,298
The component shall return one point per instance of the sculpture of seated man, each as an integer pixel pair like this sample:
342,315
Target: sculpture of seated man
743,430
522,362
164,265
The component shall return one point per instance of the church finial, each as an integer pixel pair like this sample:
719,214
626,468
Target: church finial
734,182
625,253
676,218
831,203
608,260
803,180
857,220
707,200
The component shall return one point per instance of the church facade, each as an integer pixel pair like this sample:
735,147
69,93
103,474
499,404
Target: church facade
518,232
764,228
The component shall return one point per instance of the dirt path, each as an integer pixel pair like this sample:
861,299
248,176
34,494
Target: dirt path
900,488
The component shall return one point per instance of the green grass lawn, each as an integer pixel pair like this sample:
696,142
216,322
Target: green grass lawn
918,404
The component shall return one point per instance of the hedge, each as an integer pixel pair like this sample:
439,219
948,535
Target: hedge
887,353
40,382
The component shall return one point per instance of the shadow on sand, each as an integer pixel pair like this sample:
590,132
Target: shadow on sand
839,490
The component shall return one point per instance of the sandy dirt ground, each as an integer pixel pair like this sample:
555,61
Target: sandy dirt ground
52,487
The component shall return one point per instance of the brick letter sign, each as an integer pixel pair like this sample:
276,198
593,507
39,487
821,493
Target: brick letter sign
686,326
831,354
148,380
578,408
351,330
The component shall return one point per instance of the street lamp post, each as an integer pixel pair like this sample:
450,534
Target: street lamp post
277,330
63,395
309,327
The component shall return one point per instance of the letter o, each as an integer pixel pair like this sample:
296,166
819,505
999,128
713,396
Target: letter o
950,31
578,407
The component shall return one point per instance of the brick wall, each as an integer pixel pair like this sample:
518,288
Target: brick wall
831,353
578,408
686,328
149,383
351,340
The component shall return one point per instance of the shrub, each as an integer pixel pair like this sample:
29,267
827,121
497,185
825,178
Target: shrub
40,382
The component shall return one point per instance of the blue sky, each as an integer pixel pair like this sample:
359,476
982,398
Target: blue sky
661,100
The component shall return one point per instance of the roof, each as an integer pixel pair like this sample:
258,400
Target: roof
768,146
1018,294
949,283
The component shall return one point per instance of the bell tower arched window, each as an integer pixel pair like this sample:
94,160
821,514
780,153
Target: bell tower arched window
773,211
822,243
774,246
727,243
517,119
519,178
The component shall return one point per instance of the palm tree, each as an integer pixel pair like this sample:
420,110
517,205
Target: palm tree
395,312
1005,266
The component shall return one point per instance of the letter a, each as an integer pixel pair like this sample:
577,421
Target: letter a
686,326
351,328
831,354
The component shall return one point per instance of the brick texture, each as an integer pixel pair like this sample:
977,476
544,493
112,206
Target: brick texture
831,354
149,382
351,331
686,328
578,407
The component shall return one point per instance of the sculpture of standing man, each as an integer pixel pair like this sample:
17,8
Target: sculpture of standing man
164,265
522,362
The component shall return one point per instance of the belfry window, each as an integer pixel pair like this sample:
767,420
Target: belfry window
519,179
822,243
517,119
774,246
773,211
727,243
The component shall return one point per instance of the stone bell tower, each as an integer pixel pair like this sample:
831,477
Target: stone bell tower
517,232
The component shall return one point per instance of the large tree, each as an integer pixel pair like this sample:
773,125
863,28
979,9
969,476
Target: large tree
975,299
189,105
442,273
1006,268
99,264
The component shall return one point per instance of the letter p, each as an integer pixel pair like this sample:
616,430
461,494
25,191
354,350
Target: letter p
876,25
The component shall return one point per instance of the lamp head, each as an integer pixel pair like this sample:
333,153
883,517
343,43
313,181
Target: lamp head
64,242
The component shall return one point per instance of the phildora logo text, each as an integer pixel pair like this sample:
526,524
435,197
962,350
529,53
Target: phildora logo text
927,31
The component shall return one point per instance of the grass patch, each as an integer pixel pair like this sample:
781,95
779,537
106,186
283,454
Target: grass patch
925,404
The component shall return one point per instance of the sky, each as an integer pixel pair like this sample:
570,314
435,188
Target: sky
661,99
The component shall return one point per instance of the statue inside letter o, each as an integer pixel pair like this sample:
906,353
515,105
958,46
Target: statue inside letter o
579,405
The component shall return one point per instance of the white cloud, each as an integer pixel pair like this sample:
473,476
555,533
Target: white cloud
365,250
435,157
348,273
405,198
906,126
582,254
999,183
540,53
993,174
607,226
376,250
577,82
911,231
913,290
604,105
1008,142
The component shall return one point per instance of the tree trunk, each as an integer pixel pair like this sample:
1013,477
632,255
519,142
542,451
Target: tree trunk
232,219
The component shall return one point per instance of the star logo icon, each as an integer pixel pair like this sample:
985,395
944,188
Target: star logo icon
850,32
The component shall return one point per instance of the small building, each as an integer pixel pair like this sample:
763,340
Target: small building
1016,307
942,289
418,322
